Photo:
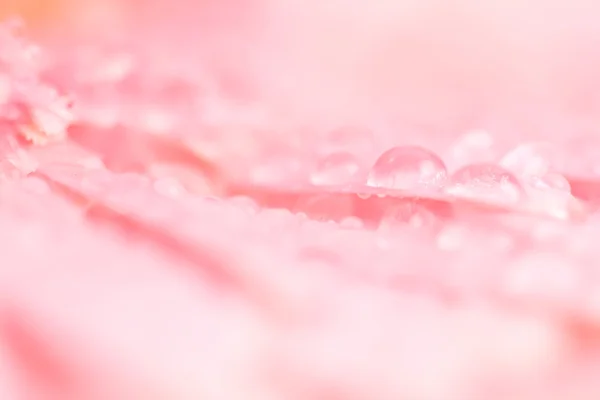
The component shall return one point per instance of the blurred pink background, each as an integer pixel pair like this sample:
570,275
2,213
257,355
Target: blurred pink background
425,62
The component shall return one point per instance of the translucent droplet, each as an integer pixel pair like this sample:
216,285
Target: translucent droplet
486,182
335,169
408,167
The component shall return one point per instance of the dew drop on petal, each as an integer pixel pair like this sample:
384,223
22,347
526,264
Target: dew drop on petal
486,182
407,167
335,169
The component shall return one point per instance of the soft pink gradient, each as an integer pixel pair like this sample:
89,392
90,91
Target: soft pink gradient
264,200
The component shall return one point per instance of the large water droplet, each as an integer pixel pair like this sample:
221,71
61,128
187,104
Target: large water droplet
335,169
408,167
486,182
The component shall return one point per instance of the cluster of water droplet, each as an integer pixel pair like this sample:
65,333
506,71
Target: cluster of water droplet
335,252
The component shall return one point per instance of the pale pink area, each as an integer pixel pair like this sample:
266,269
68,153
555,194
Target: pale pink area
267,200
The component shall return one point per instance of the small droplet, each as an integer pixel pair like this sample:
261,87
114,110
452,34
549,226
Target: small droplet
335,169
486,182
408,167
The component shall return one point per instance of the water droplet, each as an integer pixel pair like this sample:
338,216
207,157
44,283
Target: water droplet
335,169
407,167
486,182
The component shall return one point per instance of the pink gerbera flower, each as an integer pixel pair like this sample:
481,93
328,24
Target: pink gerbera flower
287,200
